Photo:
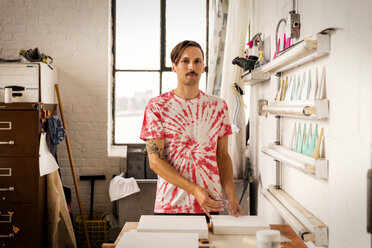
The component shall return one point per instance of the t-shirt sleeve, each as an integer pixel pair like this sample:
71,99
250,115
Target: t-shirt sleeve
152,127
225,128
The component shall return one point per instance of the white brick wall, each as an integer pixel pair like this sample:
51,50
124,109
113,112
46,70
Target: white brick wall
74,33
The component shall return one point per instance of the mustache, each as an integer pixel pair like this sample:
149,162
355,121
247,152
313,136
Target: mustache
191,73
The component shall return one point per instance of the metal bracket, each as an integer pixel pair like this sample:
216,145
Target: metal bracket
261,104
294,24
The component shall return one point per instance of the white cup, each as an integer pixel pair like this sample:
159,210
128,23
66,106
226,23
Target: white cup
268,238
8,95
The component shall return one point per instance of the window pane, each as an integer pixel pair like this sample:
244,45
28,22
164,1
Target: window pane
169,82
203,82
137,34
132,91
185,20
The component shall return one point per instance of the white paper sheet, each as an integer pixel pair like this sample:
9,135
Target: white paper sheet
174,224
47,163
227,224
135,239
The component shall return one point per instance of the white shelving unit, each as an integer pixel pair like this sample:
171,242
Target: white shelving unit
311,109
307,226
306,50
309,165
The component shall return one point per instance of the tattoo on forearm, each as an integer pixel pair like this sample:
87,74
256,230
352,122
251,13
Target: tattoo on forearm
153,148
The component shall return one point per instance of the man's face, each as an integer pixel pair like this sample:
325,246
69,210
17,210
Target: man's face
190,67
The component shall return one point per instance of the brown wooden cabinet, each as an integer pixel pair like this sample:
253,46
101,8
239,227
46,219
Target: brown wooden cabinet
22,190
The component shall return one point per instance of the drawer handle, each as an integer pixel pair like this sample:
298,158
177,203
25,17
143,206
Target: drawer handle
7,189
10,142
9,215
5,172
3,127
10,235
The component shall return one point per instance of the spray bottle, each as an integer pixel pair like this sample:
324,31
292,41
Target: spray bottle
254,46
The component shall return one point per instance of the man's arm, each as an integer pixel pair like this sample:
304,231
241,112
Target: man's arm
226,175
155,151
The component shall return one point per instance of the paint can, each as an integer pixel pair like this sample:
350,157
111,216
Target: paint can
268,239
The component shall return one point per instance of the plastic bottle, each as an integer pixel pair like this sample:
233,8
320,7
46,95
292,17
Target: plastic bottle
261,57
7,94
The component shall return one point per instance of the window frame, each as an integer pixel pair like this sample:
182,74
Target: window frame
163,67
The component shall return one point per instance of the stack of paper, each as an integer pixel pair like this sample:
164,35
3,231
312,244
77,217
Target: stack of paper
174,224
135,239
226,224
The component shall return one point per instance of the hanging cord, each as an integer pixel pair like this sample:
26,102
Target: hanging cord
276,35
247,179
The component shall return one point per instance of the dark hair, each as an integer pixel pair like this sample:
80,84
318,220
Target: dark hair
178,50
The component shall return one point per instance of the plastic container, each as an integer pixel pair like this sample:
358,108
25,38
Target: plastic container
268,239
97,231
8,95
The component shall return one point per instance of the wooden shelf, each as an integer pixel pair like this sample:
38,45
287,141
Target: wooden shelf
304,223
311,109
306,50
309,165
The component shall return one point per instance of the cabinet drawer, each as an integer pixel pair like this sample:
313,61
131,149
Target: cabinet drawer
19,132
19,179
23,217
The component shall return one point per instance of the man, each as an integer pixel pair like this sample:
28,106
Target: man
186,134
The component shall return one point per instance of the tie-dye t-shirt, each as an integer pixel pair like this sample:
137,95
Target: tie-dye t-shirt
190,129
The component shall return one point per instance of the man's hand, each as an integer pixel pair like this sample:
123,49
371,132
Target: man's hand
234,208
206,201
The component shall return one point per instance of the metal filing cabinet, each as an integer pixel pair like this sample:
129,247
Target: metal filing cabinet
22,190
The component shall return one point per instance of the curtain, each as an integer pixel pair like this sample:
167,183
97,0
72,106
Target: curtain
236,32
218,13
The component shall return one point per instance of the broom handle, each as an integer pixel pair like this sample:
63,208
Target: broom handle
72,166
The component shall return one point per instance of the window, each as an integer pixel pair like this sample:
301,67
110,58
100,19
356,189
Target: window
145,32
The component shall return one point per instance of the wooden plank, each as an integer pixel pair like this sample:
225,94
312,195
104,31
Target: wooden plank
229,241
287,232
127,227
